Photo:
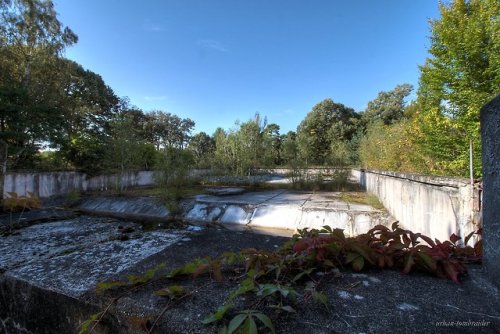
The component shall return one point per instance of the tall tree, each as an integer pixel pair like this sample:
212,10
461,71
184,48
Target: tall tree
202,146
31,39
326,123
461,75
168,130
388,106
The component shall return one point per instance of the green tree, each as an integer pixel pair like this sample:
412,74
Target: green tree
328,122
172,175
388,106
461,74
31,39
271,145
202,146
289,151
168,130
88,106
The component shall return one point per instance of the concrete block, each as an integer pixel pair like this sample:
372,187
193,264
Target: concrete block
490,134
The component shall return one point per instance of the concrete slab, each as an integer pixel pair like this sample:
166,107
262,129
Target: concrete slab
48,296
140,207
290,210
252,198
71,256
235,215
276,216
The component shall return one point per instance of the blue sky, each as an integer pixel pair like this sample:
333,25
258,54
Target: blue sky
218,61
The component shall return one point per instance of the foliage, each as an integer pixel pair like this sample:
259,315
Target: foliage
242,149
362,198
14,202
275,280
389,106
203,147
288,149
244,323
167,130
389,147
459,77
172,175
328,123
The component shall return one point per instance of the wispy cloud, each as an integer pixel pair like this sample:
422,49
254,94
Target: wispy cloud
212,44
152,27
155,98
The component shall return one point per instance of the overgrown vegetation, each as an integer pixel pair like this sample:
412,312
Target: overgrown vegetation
274,281
49,101
172,176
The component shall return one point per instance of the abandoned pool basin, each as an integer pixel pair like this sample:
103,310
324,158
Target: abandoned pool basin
279,212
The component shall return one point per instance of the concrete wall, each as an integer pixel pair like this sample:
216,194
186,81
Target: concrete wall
60,183
435,206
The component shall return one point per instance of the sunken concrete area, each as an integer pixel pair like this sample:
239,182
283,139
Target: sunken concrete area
285,211
49,273
51,263
280,212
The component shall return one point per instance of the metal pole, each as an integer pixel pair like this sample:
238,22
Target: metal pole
471,171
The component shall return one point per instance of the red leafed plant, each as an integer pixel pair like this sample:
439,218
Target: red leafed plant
389,248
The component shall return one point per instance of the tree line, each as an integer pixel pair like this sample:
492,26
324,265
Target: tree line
54,114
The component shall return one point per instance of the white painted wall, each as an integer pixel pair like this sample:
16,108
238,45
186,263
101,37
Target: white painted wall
434,206
60,183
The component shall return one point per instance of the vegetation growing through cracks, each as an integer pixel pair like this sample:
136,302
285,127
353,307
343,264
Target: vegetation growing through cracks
274,280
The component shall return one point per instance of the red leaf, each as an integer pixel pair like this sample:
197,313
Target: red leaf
454,238
478,247
301,246
428,240
451,271
395,225
467,238
381,262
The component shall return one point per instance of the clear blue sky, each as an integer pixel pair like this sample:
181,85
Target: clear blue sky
218,61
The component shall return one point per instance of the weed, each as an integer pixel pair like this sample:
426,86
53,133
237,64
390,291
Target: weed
362,198
273,279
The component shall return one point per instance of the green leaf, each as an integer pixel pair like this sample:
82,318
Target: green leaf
362,252
288,308
326,229
187,269
223,330
171,291
358,263
219,314
103,286
266,321
86,325
267,289
249,326
321,298
351,257
235,323
409,261
428,261
305,272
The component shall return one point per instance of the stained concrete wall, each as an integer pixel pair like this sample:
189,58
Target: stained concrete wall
435,206
490,134
60,183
